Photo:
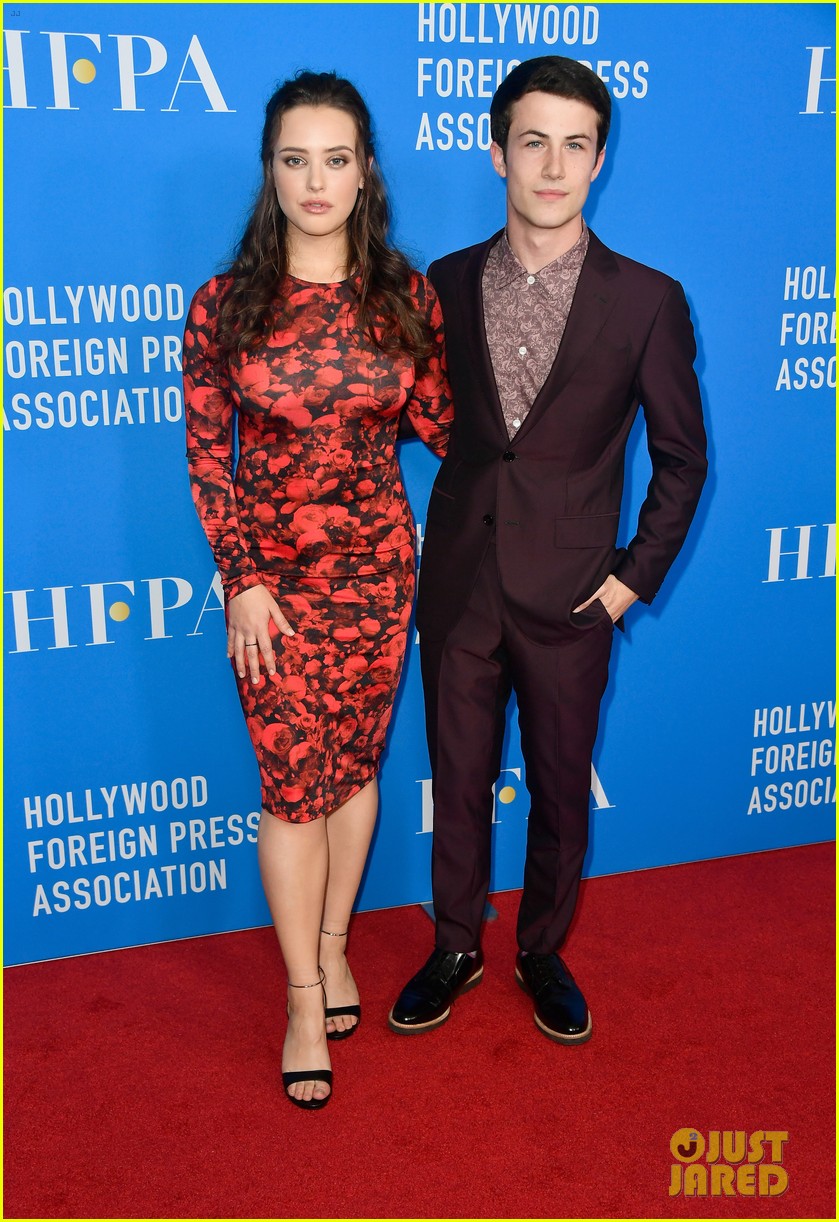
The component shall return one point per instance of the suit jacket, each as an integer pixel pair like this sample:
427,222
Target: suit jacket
552,495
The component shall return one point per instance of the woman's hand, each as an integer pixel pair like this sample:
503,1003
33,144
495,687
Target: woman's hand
248,630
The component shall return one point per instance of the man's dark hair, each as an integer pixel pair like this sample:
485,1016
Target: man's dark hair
550,74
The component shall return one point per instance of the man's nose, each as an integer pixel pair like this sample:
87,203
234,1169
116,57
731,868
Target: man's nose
554,166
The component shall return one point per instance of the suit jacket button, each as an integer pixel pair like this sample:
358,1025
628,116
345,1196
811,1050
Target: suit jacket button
509,456
488,519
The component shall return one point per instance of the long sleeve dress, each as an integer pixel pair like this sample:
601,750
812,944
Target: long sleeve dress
317,513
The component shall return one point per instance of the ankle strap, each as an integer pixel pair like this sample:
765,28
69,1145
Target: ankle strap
330,934
318,983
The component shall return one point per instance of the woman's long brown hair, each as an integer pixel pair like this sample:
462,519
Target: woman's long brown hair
385,313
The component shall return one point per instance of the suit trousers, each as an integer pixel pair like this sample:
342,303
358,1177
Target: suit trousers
467,679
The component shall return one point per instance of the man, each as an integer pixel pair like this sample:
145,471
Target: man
553,341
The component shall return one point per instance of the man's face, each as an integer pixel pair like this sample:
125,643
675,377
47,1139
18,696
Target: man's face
550,162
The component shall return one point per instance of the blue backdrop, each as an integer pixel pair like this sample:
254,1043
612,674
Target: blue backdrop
131,159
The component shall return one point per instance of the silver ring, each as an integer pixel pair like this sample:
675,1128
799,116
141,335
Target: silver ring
250,644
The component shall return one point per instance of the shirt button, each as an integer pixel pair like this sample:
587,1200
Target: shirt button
517,423
522,351
509,456
531,279
488,519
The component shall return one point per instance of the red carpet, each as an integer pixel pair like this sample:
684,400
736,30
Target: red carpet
145,1083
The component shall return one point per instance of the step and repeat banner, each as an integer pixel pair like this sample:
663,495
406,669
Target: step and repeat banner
132,136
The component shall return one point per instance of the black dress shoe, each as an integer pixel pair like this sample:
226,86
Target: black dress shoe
426,1000
561,1011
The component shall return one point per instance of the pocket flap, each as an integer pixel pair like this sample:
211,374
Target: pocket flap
588,530
440,506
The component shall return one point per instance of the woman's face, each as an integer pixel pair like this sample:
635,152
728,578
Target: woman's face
316,170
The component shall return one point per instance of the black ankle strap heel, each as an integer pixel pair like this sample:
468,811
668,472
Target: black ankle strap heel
342,1011
309,1075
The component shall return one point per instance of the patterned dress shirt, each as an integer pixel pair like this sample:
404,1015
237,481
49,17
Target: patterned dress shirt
525,316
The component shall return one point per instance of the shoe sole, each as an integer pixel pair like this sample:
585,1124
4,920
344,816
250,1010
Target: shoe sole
557,1036
421,1028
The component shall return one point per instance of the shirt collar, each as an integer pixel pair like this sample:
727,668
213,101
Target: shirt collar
506,268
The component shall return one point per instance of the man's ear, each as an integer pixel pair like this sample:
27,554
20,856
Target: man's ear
496,152
598,165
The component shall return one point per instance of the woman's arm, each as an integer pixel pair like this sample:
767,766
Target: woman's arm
209,445
209,442
430,407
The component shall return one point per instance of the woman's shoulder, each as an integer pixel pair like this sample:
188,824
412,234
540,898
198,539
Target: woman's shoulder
214,290
207,301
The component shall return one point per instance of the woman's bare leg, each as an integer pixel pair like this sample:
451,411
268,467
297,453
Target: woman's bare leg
349,830
294,864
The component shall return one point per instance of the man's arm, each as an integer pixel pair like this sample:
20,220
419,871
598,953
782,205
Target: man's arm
668,390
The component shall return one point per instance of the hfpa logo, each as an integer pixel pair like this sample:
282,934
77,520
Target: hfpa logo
137,56
808,556
504,792
816,77
89,614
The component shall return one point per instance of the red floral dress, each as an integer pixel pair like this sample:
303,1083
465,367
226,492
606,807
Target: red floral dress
317,513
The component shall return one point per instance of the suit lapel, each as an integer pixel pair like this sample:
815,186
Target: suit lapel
594,300
472,297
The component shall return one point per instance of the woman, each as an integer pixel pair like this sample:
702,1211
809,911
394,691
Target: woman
317,337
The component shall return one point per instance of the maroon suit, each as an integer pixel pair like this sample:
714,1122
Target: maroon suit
518,534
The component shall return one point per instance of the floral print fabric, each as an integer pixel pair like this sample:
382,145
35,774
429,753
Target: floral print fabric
317,513
525,317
